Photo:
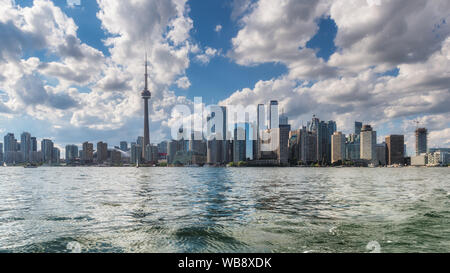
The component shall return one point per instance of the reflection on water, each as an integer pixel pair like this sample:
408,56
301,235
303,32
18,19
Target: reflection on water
224,210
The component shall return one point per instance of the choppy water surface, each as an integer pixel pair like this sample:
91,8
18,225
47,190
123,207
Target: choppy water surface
224,210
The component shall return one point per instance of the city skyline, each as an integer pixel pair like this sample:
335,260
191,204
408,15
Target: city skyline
81,77
29,141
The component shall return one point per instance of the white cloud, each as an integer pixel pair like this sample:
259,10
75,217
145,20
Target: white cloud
208,54
183,83
218,28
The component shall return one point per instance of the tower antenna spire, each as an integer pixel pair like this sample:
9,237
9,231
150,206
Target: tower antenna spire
146,73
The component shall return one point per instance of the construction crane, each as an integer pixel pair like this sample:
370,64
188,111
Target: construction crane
417,123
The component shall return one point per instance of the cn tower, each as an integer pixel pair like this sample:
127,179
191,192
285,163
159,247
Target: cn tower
146,95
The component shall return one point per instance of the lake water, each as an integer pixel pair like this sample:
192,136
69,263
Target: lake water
224,210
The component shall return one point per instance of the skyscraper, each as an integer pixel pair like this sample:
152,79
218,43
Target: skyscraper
56,156
33,144
47,151
25,146
71,153
395,149
88,153
284,120
124,146
146,95
320,129
274,120
102,152
358,127
239,143
332,128
421,141
337,147
283,147
368,144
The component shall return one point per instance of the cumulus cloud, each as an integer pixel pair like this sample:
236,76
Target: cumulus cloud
208,54
183,83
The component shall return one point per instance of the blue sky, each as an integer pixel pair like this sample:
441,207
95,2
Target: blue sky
315,57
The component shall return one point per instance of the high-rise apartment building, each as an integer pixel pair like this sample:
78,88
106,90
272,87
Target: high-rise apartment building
25,146
368,144
283,148
358,128
421,141
395,149
274,120
102,152
239,143
47,151
88,153
124,146
56,156
337,147
380,150
71,153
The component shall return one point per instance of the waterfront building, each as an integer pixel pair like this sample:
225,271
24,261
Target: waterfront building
214,152
308,146
421,141
442,150
283,147
381,154
88,153
395,149
124,146
368,144
71,153
358,128
1,152
116,157
102,152
136,153
353,147
239,143
294,143
332,128
33,144
36,157
47,151
25,146
10,148
320,128
274,120
171,151
56,156
162,150
250,141
284,120
337,147
260,127
419,160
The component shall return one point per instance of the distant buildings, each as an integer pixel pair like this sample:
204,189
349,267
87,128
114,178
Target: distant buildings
102,152
381,154
47,151
337,147
87,154
71,153
368,144
421,141
395,149
124,146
